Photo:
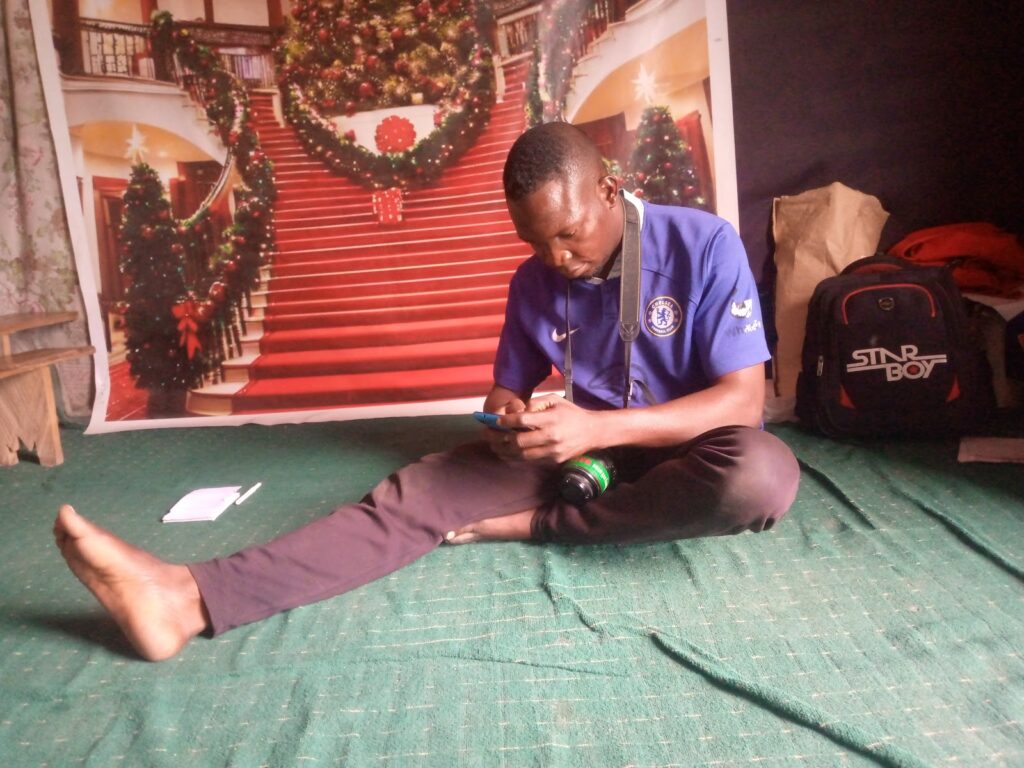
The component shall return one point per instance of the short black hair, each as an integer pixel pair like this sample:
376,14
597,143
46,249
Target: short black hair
545,152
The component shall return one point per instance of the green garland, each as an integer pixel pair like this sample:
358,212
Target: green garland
559,33
464,110
212,287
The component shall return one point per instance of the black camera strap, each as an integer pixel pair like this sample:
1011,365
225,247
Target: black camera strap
629,302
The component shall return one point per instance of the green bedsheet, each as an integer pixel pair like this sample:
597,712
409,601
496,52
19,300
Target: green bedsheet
880,623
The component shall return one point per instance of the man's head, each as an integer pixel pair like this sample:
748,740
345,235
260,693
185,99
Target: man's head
561,200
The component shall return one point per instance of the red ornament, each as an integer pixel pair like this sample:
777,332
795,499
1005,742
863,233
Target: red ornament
323,35
350,108
397,34
218,292
372,60
423,9
395,134
178,249
365,90
350,135
204,312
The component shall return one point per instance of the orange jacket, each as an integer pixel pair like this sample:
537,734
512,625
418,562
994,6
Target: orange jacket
985,258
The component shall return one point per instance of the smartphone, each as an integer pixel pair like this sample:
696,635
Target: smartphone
491,420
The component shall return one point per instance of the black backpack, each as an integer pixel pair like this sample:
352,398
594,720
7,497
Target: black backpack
887,352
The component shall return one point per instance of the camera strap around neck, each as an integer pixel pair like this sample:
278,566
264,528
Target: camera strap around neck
629,302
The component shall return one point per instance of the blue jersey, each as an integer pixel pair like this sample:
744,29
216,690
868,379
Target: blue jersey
699,315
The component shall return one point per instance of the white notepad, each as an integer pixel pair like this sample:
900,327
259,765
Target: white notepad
203,504
998,450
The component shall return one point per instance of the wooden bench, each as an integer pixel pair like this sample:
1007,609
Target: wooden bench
28,410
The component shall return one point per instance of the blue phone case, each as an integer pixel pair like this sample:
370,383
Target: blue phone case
490,420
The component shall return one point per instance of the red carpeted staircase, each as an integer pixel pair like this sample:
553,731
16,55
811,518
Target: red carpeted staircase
357,313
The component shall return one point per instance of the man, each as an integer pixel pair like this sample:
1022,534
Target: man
689,451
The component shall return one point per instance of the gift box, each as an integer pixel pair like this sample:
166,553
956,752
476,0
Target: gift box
387,205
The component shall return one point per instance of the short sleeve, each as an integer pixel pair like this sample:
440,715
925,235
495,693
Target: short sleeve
519,365
728,326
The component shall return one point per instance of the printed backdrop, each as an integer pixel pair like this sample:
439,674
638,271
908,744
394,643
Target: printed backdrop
294,212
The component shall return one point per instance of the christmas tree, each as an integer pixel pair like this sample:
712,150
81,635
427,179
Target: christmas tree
150,258
661,165
350,56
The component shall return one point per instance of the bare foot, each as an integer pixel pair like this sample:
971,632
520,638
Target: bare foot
514,527
156,604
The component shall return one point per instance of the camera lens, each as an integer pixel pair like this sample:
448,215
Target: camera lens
577,488
586,477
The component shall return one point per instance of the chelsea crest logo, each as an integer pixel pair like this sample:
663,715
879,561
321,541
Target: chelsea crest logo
663,316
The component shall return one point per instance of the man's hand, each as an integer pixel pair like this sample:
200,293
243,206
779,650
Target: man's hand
554,430
503,401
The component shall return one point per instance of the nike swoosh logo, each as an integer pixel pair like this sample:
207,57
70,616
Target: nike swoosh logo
557,337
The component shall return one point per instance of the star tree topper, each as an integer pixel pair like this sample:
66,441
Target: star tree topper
645,86
137,149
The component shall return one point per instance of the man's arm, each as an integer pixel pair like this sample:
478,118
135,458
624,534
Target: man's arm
561,430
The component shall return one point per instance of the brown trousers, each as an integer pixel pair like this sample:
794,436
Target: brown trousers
726,481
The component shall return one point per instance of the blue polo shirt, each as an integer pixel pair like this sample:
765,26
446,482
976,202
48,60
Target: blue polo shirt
699,315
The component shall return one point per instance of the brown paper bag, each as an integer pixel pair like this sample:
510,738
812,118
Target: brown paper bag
817,233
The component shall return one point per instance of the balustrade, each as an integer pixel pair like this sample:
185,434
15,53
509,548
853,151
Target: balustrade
117,49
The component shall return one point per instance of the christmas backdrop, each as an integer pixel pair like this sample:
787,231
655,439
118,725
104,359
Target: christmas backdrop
301,218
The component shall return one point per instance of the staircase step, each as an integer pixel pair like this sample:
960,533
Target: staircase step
382,334
349,317
395,288
301,208
365,232
403,357
431,253
363,388
390,301
413,211
341,276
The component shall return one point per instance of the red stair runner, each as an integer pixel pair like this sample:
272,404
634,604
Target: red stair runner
359,313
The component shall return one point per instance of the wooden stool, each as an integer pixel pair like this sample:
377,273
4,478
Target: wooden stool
28,410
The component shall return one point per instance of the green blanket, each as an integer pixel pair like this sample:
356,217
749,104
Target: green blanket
879,624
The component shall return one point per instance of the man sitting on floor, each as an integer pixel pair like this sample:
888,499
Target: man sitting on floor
689,452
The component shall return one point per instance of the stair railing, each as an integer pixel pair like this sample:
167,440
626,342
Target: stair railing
566,32
220,283
517,32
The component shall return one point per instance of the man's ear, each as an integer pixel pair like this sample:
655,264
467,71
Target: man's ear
608,189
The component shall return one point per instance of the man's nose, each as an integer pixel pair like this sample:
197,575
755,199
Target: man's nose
554,256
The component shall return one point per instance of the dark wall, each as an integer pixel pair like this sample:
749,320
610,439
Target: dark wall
916,102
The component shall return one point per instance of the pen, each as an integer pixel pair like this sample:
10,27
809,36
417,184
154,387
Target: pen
248,493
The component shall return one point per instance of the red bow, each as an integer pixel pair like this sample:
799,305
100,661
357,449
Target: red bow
186,312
